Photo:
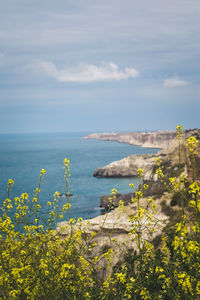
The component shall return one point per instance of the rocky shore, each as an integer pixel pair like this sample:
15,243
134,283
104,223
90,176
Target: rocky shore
128,166
158,139
113,228
115,224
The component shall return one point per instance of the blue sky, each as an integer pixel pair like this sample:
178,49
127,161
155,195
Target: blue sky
109,65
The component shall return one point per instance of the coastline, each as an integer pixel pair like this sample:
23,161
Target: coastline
115,224
157,139
165,141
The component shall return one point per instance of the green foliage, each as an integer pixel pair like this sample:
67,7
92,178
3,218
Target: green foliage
39,262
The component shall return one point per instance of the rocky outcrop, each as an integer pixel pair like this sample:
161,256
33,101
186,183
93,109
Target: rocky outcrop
158,139
170,165
128,166
156,188
109,202
113,229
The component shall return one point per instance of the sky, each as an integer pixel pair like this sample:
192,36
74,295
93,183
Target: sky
99,65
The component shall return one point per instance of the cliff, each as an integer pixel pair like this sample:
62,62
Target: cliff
114,227
159,139
128,166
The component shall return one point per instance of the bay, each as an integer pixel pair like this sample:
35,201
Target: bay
22,156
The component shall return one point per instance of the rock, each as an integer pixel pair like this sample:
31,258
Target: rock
113,228
128,166
158,139
155,189
109,202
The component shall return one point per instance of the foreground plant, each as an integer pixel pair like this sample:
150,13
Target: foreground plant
35,263
38,262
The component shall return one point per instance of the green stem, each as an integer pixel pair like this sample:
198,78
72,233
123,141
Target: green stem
67,194
193,174
139,225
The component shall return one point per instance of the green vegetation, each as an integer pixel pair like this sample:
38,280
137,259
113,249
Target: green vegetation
36,262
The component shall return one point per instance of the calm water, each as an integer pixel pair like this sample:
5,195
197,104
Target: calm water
23,156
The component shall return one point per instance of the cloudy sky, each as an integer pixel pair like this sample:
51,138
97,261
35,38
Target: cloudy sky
99,65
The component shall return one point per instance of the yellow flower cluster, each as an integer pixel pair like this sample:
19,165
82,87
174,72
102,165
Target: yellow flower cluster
192,144
37,263
179,131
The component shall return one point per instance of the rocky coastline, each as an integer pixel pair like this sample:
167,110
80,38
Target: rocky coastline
158,139
128,166
115,224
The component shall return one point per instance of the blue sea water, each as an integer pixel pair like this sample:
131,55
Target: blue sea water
22,156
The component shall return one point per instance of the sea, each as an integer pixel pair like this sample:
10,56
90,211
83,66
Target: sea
22,156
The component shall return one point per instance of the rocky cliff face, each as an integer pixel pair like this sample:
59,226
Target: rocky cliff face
159,139
112,229
116,224
128,166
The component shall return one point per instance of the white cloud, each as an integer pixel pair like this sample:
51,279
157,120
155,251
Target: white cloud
85,72
175,82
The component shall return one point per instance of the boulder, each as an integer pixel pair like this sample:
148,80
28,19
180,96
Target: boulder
110,202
